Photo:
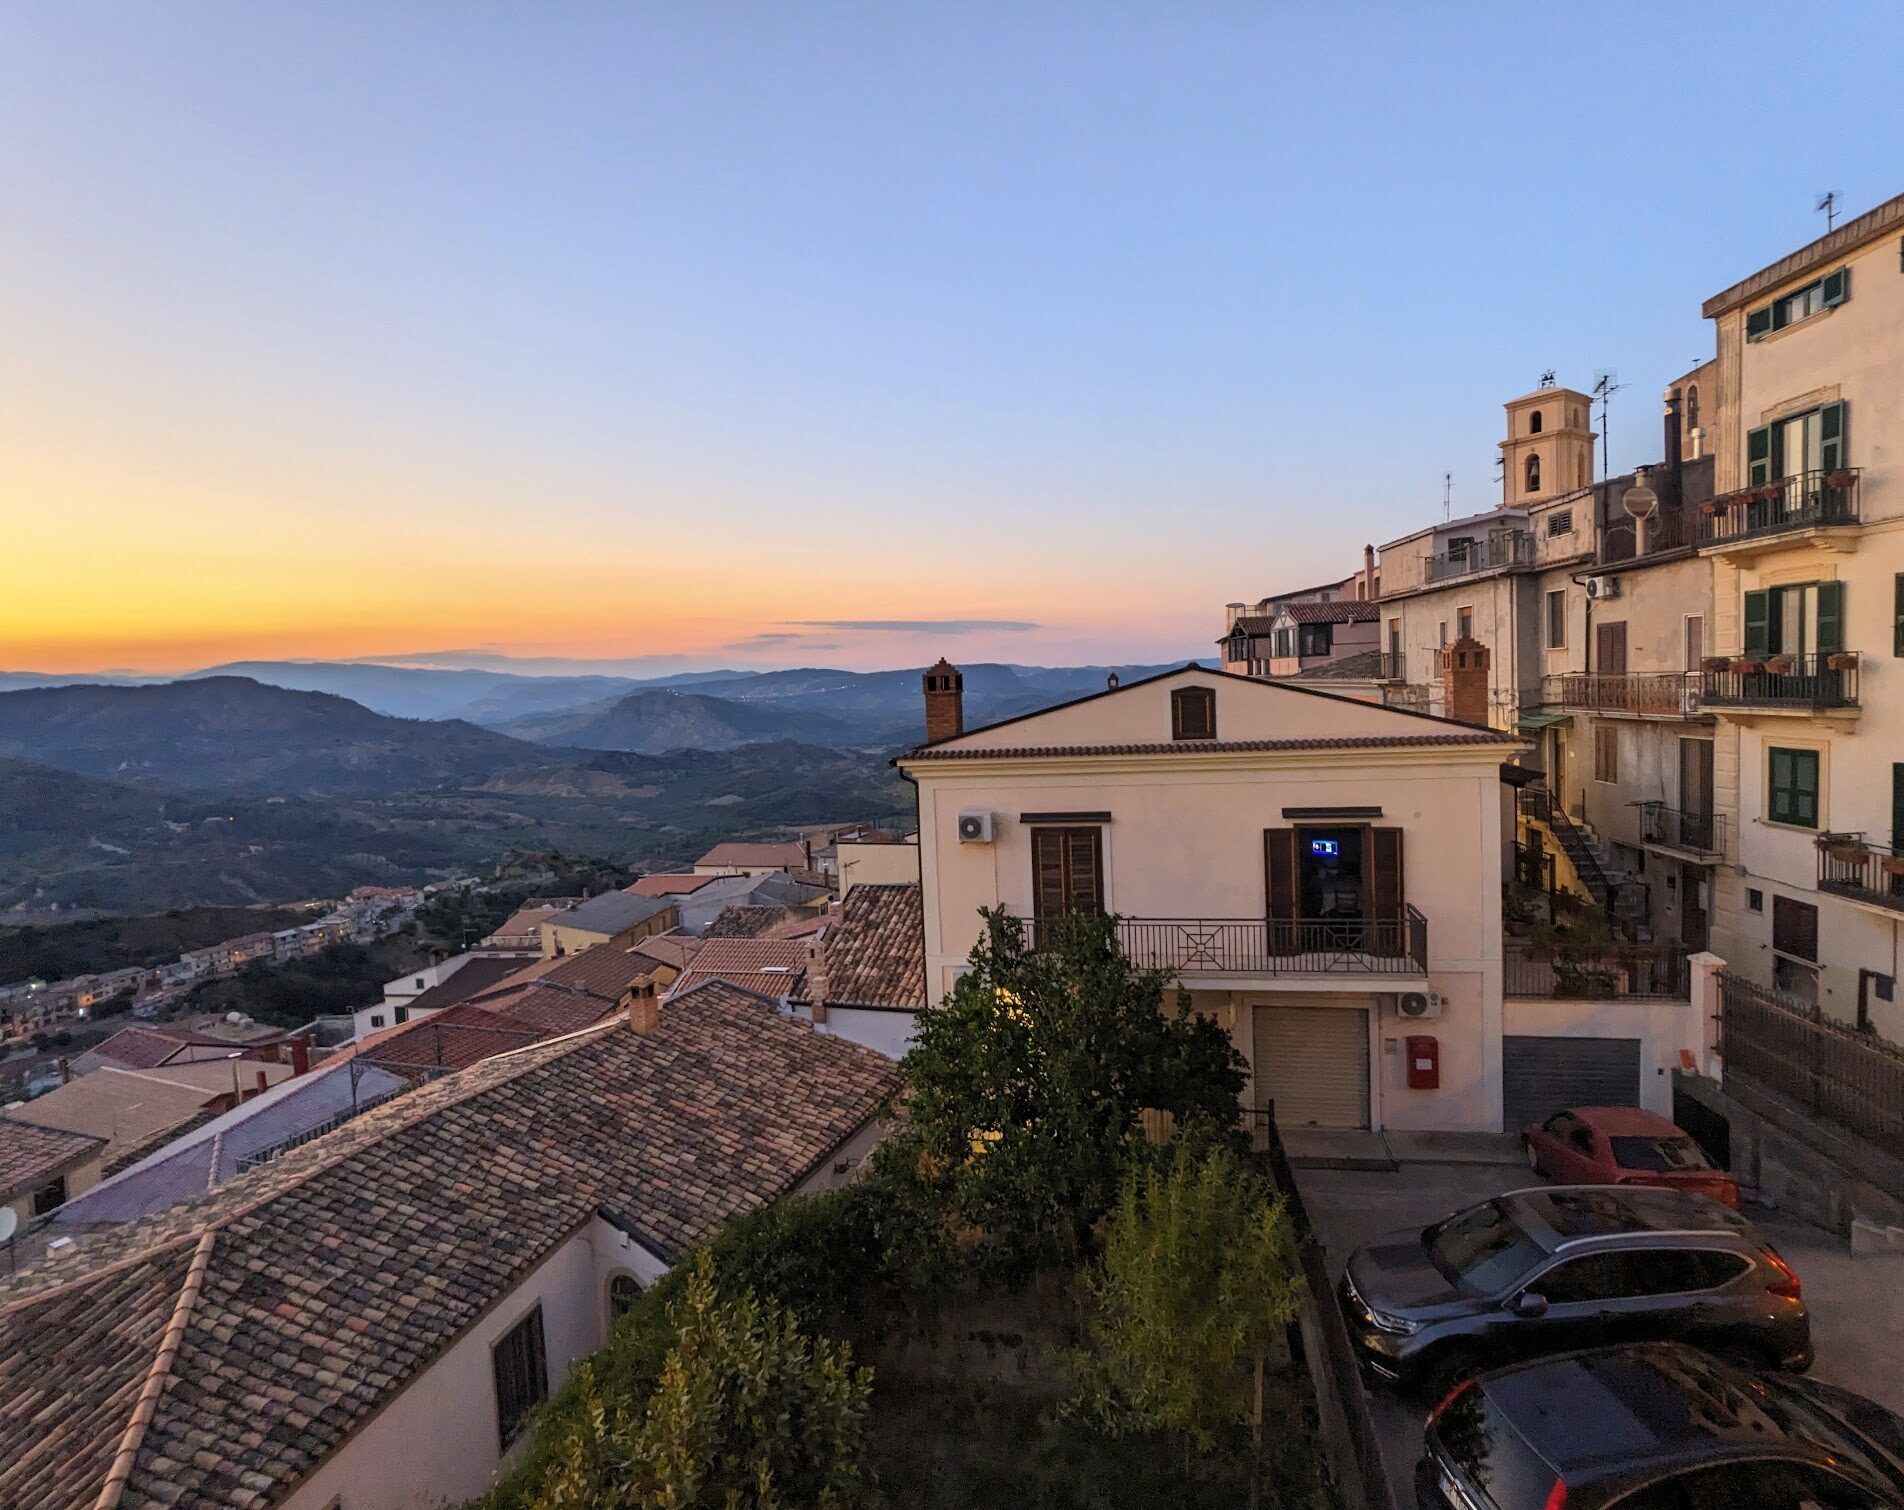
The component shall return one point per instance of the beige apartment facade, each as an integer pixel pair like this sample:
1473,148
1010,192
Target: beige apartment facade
1304,864
1806,547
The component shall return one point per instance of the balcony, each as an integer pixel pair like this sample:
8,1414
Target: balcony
1662,973
1781,684
1670,694
1492,552
1188,948
1626,540
1700,837
1850,867
1819,507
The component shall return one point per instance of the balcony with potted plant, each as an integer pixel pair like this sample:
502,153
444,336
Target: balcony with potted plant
1852,867
1820,508
1779,683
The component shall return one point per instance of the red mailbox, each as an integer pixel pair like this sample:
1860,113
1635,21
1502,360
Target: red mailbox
1424,1062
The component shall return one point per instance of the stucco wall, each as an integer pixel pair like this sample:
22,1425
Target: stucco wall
888,1033
876,864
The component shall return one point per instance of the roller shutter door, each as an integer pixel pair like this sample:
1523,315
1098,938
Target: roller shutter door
1539,1076
1314,1063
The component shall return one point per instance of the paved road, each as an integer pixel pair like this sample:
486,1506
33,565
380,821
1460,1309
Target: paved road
1857,1305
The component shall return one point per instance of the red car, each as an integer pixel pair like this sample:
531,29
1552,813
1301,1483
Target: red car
1622,1145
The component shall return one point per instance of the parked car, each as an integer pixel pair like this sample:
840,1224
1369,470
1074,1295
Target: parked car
1560,1267
1622,1145
1656,1427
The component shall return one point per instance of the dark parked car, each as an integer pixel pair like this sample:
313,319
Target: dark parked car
1657,1427
1622,1145
1561,1267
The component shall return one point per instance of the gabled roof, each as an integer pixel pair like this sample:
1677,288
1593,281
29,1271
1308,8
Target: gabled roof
453,1039
1297,719
790,854
668,885
31,1155
524,922
303,1296
471,978
610,913
138,1048
773,968
746,922
603,970
131,1109
1341,611
670,948
874,954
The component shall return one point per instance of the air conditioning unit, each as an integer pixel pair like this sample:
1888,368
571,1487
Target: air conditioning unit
976,826
1417,1006
1603,587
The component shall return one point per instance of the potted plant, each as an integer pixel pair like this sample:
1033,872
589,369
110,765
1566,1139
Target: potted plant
1716,663
1841,848
1772,492
1747,665
1712,507
1781,665
1892,864
1842,660
1839,479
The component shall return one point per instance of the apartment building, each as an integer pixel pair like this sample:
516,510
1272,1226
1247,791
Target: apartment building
1309,630
1805,542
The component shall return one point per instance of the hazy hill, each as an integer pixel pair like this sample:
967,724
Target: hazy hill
426,692
666,718
230,733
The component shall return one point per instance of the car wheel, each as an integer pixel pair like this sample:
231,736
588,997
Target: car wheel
1446,1369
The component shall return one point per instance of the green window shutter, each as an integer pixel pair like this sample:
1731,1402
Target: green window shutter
1758,323
1775,458
1837,287
1830,617
1805,787
1758,455
1897,624
1781,786
1831,436
1758,623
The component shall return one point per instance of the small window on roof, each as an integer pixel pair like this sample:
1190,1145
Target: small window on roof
1193,713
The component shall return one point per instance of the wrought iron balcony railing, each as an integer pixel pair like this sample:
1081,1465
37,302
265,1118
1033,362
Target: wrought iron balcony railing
1189,947
1668,694
1502,548
1808,500
1781,681
1851,866
1701,833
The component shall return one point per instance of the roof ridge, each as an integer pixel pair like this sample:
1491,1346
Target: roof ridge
146,1406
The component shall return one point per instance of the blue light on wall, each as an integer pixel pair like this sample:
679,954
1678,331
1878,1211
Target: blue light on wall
1328,849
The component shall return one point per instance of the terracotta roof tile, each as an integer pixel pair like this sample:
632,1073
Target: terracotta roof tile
790,853
31,1155
746,922
1217,746
668,885
772,968
344,1268
875,953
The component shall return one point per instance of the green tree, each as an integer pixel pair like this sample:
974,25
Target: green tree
748,1411
1197,1281
1027,1084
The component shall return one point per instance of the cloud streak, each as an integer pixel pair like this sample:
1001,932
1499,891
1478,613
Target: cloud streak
919,626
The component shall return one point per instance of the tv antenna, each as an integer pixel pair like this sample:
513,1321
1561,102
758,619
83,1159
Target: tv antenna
1447,496
1605,385
1828,206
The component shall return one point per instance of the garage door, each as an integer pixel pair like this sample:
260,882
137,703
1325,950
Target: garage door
1541,1075
1314,1062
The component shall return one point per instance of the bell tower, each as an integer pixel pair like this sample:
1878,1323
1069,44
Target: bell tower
1549,445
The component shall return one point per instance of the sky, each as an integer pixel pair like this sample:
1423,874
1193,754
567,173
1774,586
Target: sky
832,333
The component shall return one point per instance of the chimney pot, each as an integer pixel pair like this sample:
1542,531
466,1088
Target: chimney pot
644,1007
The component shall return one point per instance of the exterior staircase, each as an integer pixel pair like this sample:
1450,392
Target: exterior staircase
1617,892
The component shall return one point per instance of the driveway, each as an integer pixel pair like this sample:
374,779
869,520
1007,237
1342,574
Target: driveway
1857,1305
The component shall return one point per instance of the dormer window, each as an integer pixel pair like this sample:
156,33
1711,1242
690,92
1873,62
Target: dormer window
1534,423
1193,713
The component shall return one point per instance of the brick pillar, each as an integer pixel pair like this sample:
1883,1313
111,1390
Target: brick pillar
1464,681
945,701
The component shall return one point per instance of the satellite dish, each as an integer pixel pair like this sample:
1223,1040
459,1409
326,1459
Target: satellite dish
1640,501
9,1223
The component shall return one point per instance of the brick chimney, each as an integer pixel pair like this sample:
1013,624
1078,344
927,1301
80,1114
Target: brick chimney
1464,681
945,701
643,1005
301,1055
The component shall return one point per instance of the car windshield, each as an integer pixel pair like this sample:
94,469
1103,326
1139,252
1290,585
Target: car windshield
1482,1250
1659,1155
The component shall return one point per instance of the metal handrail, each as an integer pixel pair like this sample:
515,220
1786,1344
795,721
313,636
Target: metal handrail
1799,681
1851,865
1671,694
1502,548
1703,832
1805,500
1274,946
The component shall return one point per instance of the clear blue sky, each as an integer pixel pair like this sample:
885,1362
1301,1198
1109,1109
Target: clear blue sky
623,330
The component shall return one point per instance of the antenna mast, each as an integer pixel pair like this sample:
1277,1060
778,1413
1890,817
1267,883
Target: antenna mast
1605,385
1828,206
1447,496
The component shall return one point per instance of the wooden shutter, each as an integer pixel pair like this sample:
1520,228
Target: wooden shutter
1897,622
1758,455
1781,785
1047,869
1836,287
1897,806
1610,648
1193,712
1084,870
1758,323
1831,436
1279,866
1386,891
1830,617
1805,787
1795,928
1758,622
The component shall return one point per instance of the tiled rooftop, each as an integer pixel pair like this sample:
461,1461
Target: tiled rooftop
874,954
767,967
311,1290
31,1155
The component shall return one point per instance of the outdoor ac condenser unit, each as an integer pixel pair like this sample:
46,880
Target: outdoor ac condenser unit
976,826
1603,587
1417,1006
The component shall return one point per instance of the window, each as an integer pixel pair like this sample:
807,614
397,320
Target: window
419,983
1800,304
1692,406
50,1196
1695,641
1793,787
1315,639
1533,471
521,1367
1809,442
403,1014
623,1291
1395,632
1464,623
1067,867
1443,634
1795,928
1591,1277
1754,899
1804,618
1193,713
1560,522
1534,422
1283,642
1606,753
376,1019
1794,978
1557,619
